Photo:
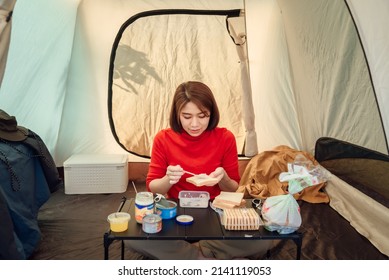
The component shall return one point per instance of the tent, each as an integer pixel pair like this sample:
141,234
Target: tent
307,80
89,75
6,8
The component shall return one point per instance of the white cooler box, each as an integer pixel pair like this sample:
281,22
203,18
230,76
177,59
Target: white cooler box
104,173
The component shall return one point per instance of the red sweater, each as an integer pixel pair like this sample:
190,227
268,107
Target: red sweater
202,154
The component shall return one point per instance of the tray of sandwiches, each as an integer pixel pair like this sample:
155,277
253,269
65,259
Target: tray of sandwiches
234,214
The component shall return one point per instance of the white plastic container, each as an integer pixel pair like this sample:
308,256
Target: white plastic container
118,221
97,173
193,199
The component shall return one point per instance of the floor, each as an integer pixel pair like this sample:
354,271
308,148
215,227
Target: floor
73,226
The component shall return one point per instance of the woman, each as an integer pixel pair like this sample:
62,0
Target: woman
193,143
196,144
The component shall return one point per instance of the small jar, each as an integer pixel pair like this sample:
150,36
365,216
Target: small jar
144,205
152,223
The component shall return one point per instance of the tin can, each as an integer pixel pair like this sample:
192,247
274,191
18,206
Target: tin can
152,223
166,212
144,205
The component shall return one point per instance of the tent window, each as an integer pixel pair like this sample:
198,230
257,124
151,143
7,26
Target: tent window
153,54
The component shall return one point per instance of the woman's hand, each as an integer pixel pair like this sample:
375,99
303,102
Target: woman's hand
174,173
219,173
224,181
163,185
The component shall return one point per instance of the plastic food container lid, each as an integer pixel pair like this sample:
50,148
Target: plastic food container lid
184,220
119,217
119,221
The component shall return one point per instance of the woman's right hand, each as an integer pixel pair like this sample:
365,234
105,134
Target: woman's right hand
174,173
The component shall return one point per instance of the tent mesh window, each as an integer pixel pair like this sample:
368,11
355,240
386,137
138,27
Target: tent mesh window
156,51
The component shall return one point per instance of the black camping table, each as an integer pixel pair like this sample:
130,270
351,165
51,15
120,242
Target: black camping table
206,226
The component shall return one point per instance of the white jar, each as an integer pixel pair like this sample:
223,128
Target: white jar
144,205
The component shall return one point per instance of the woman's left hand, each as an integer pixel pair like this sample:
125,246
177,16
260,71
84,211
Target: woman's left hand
218,173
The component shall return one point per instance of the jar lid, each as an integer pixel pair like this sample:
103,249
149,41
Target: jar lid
151,219
184,219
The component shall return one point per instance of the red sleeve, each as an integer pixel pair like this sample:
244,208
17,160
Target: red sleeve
230,158
158,162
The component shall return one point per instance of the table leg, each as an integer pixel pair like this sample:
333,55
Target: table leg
268,254
298,242
107,242
122,250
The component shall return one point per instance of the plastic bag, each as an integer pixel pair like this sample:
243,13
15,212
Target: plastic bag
303,173
281,213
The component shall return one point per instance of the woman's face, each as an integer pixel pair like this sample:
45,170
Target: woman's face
193,120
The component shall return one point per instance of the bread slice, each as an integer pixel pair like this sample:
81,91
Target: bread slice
202,180
227,200
241,219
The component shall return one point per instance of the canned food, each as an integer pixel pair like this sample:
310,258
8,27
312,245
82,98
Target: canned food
152,223
144,205
167,211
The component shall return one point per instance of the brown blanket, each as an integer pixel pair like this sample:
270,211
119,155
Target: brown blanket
260,178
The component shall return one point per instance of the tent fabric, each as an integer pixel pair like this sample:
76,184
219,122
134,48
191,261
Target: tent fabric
141,85
370,18
238,33
308,72
77,88
311,75
6,7
316,69
365,169
367,216
358,190
33,87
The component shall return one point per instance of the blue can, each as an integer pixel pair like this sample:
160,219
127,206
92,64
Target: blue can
167,212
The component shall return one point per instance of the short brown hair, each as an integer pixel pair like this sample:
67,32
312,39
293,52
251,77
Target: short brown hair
201,95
